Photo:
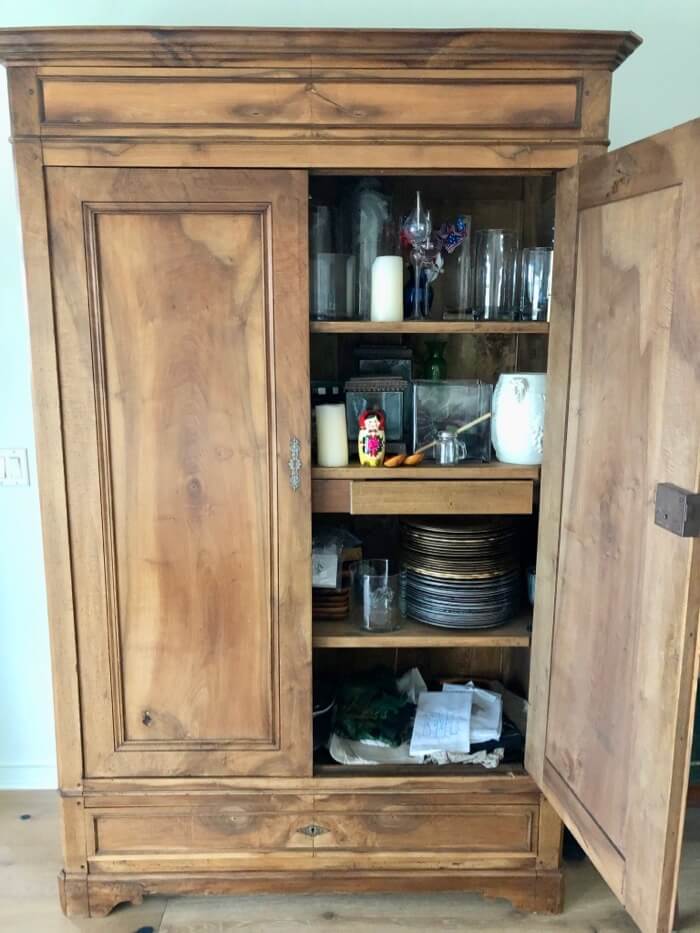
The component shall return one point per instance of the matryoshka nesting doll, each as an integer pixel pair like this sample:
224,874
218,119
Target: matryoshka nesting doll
370,439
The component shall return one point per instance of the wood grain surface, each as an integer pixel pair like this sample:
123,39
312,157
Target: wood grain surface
438,497
552,477
349,48
624,657
188,408
177,428
415,634
428,470
389,101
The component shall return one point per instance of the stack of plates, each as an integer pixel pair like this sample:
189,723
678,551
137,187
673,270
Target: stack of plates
330,604
461,573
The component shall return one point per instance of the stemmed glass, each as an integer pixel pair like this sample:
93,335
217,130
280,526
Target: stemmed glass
417,229
431,264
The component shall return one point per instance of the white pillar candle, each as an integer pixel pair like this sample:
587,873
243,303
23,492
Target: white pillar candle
331,435
387,289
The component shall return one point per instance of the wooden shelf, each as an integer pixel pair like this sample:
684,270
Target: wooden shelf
515,634
428,470
429,327
334,770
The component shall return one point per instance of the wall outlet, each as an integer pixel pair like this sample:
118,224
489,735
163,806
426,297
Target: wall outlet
14,470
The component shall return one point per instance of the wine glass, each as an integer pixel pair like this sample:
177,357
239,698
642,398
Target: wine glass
417,229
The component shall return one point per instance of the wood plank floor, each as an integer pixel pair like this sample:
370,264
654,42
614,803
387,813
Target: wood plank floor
29,863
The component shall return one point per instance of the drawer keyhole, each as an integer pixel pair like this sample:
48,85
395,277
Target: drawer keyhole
313,829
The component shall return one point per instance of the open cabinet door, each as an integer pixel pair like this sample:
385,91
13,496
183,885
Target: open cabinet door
614,661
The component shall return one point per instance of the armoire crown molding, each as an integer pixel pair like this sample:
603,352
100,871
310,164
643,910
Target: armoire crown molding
395,48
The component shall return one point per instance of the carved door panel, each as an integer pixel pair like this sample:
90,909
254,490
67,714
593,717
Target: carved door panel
182,333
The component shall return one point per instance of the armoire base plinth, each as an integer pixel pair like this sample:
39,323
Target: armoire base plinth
538,892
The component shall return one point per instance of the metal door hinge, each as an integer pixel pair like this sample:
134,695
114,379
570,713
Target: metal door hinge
678,510
294,463
313,829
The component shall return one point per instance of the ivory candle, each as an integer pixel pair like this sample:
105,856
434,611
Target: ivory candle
387,289
331,435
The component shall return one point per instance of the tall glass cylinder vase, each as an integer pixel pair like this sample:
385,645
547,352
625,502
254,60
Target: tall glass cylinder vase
495,274
371,214
457,276
328,267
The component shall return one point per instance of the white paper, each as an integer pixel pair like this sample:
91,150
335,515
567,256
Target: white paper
348,752
324,566
442,723
412,684
487,712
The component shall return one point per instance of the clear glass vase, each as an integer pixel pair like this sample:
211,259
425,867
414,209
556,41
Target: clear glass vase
370,221
457,277
495,274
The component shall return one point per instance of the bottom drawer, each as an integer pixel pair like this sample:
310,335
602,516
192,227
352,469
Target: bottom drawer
323,831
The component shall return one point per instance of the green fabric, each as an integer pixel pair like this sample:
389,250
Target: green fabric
370,707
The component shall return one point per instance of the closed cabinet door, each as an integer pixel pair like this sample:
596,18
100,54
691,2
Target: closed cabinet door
181,322
615,641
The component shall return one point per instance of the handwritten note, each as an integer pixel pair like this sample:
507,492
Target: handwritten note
442,723
487,712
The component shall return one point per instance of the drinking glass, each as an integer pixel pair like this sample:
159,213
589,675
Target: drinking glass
328,286
536,283
495,260
378,594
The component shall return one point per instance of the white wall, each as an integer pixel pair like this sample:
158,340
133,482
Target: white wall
657,88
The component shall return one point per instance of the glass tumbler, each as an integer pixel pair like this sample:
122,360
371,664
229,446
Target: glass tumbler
536,283
378,595
495,274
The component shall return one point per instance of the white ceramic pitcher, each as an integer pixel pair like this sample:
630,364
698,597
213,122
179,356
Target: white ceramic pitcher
517,426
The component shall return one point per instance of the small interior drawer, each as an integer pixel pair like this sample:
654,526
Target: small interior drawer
438,497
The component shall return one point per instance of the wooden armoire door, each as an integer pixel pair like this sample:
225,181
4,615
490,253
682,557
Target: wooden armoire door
181,321
614,655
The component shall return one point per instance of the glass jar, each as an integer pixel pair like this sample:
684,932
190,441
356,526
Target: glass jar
449,449
378,595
